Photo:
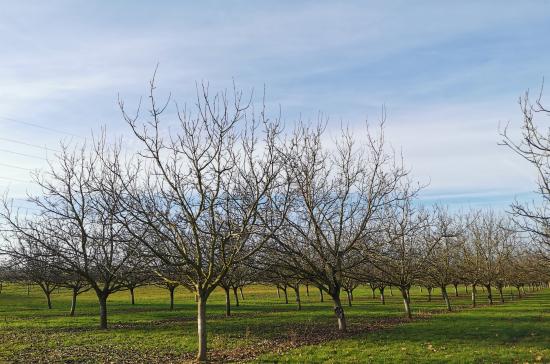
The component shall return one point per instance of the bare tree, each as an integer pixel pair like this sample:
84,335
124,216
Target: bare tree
207,189
533,145
335,200
77,219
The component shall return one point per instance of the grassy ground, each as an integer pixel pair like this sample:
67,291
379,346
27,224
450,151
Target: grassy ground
265,329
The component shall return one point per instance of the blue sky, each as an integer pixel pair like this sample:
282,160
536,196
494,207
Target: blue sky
447,72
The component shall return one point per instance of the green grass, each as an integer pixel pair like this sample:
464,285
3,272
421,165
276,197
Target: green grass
266,328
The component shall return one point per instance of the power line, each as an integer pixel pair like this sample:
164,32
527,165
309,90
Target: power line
29,144
38,126
15,179
12,166
22,154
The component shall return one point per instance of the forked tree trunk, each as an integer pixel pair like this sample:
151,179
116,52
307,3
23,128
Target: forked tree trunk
339,312
382,298
446,297
201,329
227,301
278,292
466,288
456,289
73,302
171,289
242,295
373,292
236,296
297,293
406,302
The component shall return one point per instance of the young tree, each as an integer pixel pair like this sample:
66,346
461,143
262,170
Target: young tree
77,222
335,201
207,189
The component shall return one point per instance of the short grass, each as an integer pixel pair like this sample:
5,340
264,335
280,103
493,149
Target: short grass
266,329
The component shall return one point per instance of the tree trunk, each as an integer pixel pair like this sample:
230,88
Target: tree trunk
28,289
227,302
456,289
500,294
349,298
236,296
242,295
321,297
409,295
48,294
73,302
201,329
286,294
102,311
489,293
429,289
446,297
406,302
339,312
382,298
132,295
391,291
519,291
307,290
474,295
297,293
466,288
278,292
172,297
373,293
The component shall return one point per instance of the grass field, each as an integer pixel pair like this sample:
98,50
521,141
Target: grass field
264,329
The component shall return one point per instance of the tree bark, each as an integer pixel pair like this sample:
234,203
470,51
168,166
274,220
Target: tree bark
73,302
339,312
321,296
489,293
519,291
382,298
446,297
297,293
500,294
132,295
391,291
102,311
171,289
307,290
429,289
227,302
236,296
48,294
474,295
456,289
286,294
349,298
406,302
242,295
278,292
201,329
